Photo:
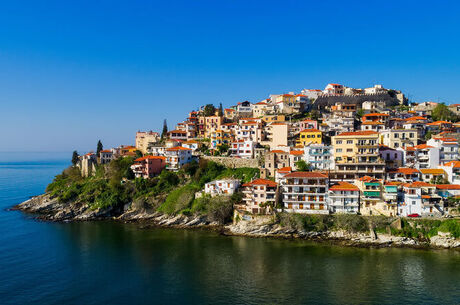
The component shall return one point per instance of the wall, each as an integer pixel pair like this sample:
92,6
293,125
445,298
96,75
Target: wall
233,162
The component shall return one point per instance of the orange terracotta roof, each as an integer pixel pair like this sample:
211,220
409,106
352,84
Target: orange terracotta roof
372,123
404,170
305,175
426,197
344,186
177,148
150,158
416,118
454,164
432,171
418,184
375,114
278,151
296,152
395,183
310,130
287,169
448,186
358,133
106,150
423,146
368,179
438,123
261,182
446,139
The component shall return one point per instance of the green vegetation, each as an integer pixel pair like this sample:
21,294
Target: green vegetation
209,110
165,130
413,228
75,157
302,166
172,193
439,180
100,147
442,113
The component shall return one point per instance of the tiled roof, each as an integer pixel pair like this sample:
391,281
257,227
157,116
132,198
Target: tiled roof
418,184
150,158
278,151
432,171
423,146
296,152
177,148
454,164
375,114
305,175
261,182
359,133
448,186
287,169
310,130
368,179
344,186
404,170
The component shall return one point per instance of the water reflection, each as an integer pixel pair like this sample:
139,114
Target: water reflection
196,267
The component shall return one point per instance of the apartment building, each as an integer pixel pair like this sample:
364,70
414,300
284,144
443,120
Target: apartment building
148,166
259,196
144,138
242,149
221,187
421,198
399,138
448,148
309,136
371,191
422,156
431,174
276,159
176,157
319,156
357,153
305,192
275,134
452,170
344,198
403,174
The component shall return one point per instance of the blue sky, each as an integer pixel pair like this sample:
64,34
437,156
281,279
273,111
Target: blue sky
73,73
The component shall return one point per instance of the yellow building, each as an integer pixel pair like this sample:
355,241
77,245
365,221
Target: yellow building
309,136
356,154
274,118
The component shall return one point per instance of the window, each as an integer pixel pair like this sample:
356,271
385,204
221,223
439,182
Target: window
338,142
349,141
339,150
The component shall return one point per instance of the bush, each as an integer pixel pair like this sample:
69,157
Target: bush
220,209
452,226
351,223
178,200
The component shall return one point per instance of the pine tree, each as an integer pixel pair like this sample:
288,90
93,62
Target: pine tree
165,129
75,157
100,147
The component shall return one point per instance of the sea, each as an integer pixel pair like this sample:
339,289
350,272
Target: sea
106,262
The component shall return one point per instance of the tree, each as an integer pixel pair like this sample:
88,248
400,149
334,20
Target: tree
439,180
221,110
75,157
359,113
315,114
428,135
165,129
209,110
138,154
302,166
100,147
223,149
442,113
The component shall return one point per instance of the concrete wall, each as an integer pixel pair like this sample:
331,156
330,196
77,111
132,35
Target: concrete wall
233,162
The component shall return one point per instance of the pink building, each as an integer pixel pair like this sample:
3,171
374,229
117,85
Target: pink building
148,166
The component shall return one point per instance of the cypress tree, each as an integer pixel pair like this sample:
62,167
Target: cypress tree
165,129
75,157
100,147
221,110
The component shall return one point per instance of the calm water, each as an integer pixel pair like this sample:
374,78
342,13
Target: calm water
110,263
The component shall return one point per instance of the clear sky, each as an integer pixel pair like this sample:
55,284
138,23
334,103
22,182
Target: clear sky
73,73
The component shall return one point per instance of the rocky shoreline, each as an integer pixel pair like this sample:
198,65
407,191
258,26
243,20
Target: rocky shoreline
49,209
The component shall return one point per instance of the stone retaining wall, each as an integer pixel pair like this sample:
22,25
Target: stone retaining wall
233,162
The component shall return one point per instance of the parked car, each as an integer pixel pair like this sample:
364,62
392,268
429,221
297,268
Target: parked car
415,215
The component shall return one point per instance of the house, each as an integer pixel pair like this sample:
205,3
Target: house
357,153
319,156
229,114
308,136
242,149
421,156
375,126
377,89
105,156
392,195
448,148
421,198
432,174
176,134
394,158
376,117
144,138
273,118
305,192
338,125
447,191
343,110
371,191
403,174
156,150
334,89
244,109
191,144
259,196
438,126
220,137
455,108
312,94
276,134
281,172
308,124
148,166
344,198
276,159
176,157
127,151
294,157
221,187
396,138
249,131
452,170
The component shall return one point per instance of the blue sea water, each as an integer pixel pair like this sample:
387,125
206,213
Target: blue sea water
113,263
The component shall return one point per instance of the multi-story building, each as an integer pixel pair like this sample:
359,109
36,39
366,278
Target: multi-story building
422,199
393,158
212,123
309,136
176,157
452,170
242,149
399,138
148,166
392,196
144,138
431,174
319,156
221,187
305,192
244,109
376,117
338,125
249,131
344,198
371,202
448,148
344,110
374,126
191,144
276,134
105,156
403,174
176,134
219,137
334,89
259,196
357,153
421,156
294,157
276,159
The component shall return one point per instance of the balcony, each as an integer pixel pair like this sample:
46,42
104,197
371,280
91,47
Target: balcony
371,193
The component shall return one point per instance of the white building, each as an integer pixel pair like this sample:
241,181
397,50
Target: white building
319,156
221,187
448,148
191,144
312,94
420,198
178,156
242,149
334,89
452,170
305,192
344,198
421,156
105,156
